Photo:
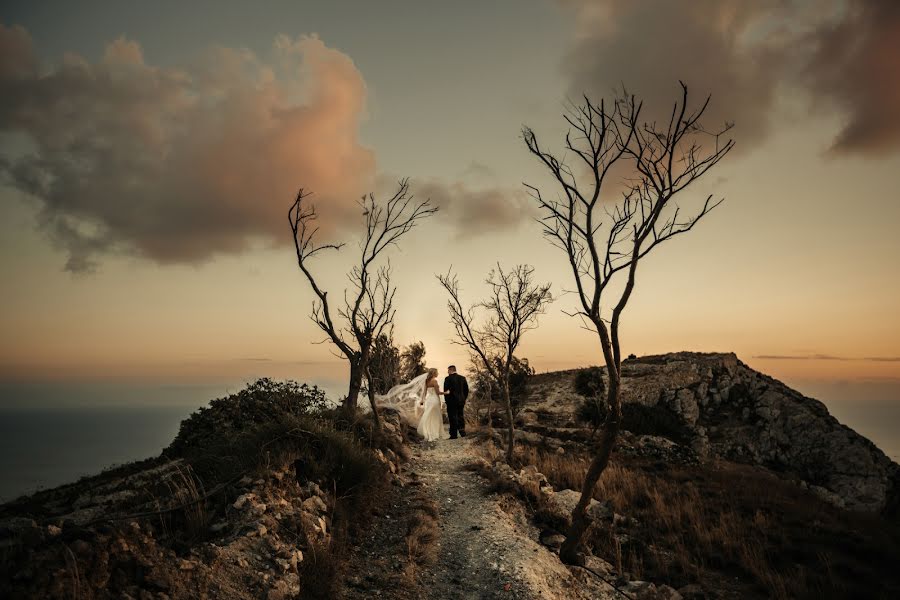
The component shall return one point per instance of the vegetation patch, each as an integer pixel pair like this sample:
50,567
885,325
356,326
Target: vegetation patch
736,530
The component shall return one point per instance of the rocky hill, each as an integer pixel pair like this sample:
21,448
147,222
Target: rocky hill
721,408
258,496
725,483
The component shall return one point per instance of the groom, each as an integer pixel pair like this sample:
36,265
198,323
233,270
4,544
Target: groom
456,390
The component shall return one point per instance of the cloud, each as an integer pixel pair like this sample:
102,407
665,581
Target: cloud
179,164
826,357
648,46
799,357
840,55
473,211
855,65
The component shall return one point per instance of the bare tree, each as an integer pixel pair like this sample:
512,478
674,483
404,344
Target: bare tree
604,241
511,310
368,306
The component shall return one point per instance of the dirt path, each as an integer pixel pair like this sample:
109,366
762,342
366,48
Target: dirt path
485,546
484,551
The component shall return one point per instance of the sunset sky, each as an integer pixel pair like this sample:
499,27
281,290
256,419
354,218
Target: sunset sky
149,153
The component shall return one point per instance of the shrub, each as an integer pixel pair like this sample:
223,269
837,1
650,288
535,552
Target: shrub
592,411
589,384
262,402
412,362
653,420
519,372
384,364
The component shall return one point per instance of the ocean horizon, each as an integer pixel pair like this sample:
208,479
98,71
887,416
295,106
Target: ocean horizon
53,434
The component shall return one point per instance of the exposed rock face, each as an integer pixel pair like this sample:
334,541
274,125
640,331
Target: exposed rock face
720,407
153,529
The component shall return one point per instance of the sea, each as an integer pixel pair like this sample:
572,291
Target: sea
54,433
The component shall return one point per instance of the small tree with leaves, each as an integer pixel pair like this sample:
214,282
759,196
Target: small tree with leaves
412,362
384,364
519,372
605,241
368,305
511,309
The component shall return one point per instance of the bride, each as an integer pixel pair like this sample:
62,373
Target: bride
422,393
431,423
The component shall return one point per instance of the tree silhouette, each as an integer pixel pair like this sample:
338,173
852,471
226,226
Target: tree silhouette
605,241
368,309
511,310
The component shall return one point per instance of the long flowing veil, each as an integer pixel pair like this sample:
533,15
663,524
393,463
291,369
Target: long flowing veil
405,398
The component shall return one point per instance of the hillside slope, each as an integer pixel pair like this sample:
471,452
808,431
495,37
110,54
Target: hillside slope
722,408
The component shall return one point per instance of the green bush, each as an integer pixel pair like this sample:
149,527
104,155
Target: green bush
262,402
653,420
589,382
592,411
589,385
519,372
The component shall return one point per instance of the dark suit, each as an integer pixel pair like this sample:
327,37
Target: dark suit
457,390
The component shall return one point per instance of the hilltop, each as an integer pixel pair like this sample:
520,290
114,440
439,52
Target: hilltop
720,408
725,483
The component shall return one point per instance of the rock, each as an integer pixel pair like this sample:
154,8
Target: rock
284,564
567,499
715,406
685,405
53,530
598,565
218,527
287,587
314,505
552,539
312,489
242,500
186,565
644,590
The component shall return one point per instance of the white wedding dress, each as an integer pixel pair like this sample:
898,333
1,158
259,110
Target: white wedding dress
431,423
406,399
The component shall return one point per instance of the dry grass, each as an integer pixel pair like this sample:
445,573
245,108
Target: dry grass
422,533
722,522
185,489
78,589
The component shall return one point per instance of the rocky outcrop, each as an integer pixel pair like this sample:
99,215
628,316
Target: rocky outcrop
159,530
721,408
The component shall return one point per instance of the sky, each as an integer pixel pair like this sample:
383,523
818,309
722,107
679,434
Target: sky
149,153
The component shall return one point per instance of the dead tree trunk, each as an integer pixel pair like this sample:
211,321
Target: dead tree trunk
368,309
512,309
356,376
601,240
511,425
570,551
376,418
